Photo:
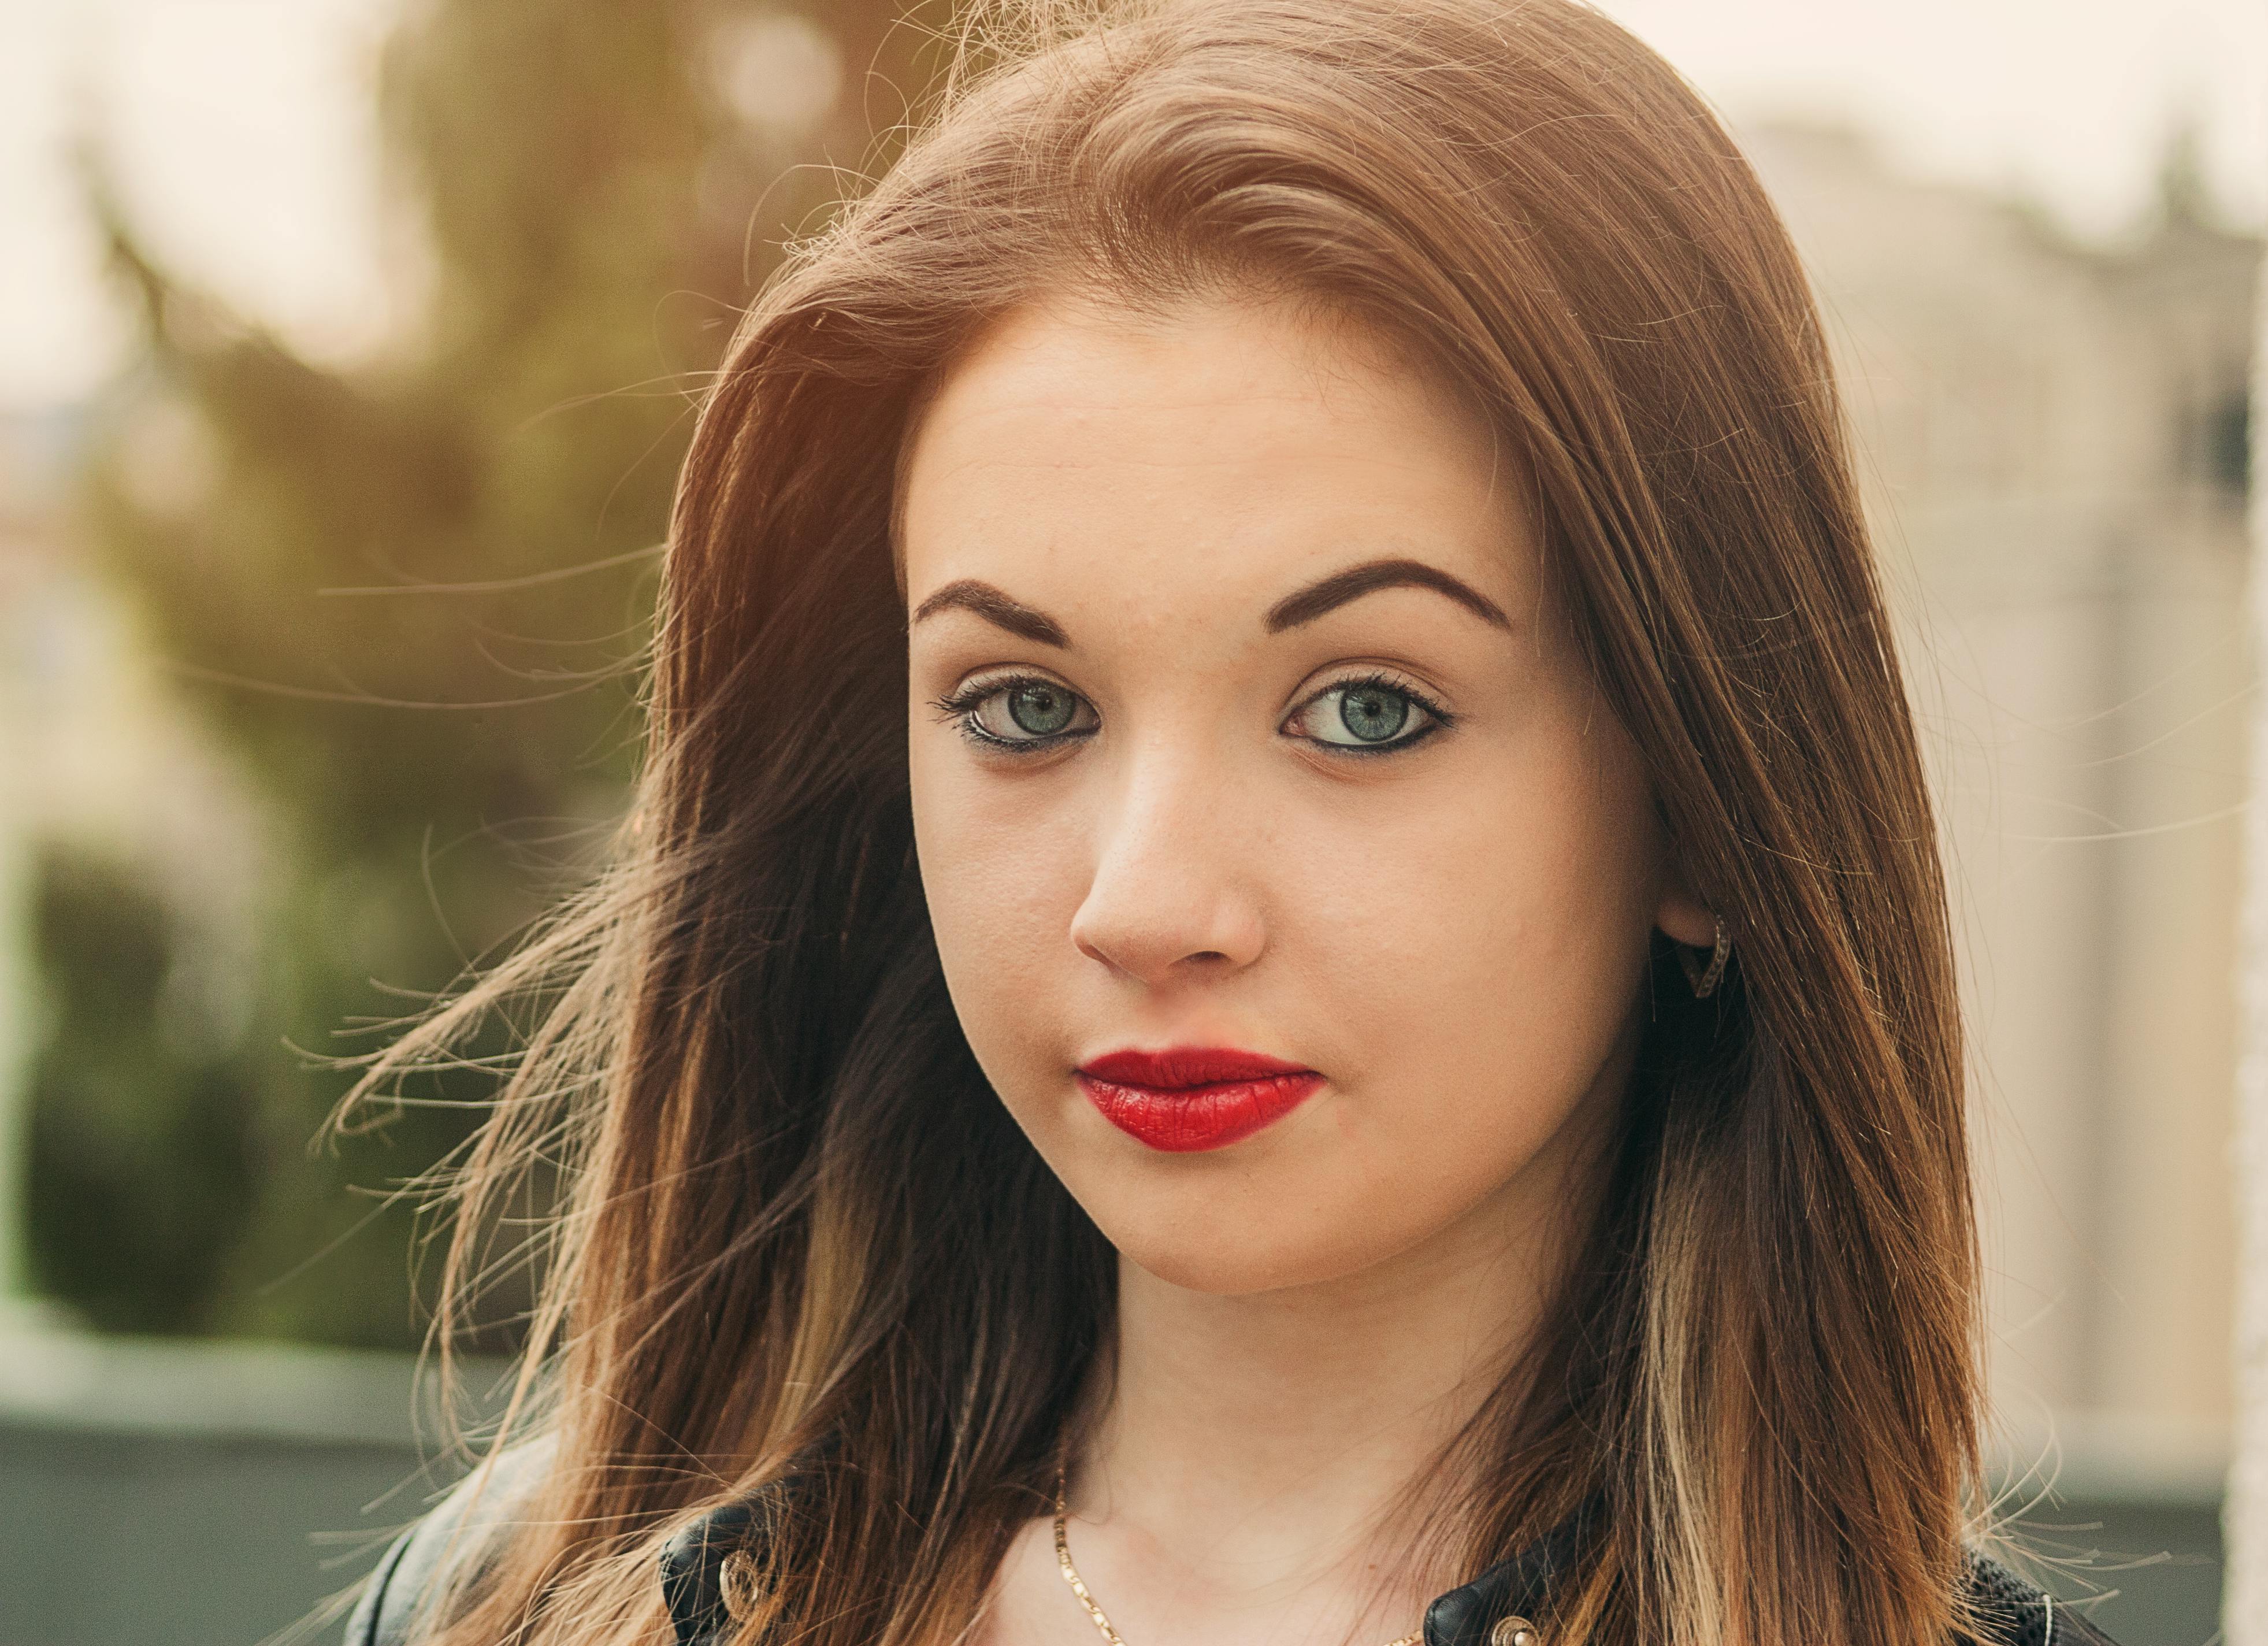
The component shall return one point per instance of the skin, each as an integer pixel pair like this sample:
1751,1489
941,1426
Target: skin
1453,932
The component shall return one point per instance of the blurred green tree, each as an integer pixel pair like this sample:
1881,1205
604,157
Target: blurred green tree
411,595
139,1187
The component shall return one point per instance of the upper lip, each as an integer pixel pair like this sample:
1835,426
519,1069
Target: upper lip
1179,1066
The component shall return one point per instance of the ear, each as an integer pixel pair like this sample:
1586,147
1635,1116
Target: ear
1682,915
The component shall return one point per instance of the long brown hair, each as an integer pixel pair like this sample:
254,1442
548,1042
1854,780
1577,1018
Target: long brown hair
799,1231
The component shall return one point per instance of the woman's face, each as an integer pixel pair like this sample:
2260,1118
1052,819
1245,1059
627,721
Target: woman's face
1240,721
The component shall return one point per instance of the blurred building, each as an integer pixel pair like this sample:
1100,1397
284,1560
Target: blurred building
2053,441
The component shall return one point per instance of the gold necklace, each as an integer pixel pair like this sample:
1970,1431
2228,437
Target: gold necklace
1077,1587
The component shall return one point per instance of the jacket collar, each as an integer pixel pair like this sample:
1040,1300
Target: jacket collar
1517,1587
693,1585
692,1570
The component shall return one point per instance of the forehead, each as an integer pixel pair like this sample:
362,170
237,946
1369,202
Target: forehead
1223,442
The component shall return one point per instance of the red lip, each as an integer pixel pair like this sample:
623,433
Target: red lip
1185,1098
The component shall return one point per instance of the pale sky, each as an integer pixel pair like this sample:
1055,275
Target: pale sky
242,133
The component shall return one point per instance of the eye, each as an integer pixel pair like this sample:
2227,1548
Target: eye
1024,713
1370,715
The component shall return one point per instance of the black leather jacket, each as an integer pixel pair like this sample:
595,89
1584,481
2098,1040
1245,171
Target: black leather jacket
2014,1612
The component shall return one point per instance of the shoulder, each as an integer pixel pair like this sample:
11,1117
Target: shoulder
422,1558
2010,1611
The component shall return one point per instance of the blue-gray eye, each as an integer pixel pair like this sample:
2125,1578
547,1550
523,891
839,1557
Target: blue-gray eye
1025,714
1040,708
1372,714
1368,717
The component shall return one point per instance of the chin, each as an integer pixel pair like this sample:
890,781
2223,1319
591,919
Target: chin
1224,1274
1245,1251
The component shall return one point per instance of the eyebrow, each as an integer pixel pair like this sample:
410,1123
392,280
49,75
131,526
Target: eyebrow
987,602
1302,606
1335,591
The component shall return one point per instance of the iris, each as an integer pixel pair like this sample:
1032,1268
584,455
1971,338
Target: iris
1040,708
1372,714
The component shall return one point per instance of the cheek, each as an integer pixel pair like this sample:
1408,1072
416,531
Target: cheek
1482,961
1001,894
1527,890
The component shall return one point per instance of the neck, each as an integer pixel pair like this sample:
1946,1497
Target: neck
1253,1446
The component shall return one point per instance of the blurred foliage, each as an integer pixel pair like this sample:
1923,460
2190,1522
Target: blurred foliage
410,596
140,1187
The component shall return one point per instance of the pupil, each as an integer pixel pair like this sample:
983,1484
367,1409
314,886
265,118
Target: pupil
1040,710
1372,714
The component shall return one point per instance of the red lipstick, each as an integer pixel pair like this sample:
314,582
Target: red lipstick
1186,1098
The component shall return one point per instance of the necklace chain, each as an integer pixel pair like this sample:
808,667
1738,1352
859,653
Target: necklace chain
1078,1586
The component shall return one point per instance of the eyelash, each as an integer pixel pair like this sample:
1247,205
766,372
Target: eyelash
961,705
1437,718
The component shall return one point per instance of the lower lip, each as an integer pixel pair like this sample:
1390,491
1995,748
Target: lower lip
1182,1119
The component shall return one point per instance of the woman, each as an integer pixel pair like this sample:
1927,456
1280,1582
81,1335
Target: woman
1281,973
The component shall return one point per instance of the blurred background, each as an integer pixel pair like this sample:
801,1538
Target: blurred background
347,351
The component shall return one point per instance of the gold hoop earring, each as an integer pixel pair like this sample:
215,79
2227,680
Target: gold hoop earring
1704,978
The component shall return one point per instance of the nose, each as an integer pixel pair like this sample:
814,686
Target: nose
1169,899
